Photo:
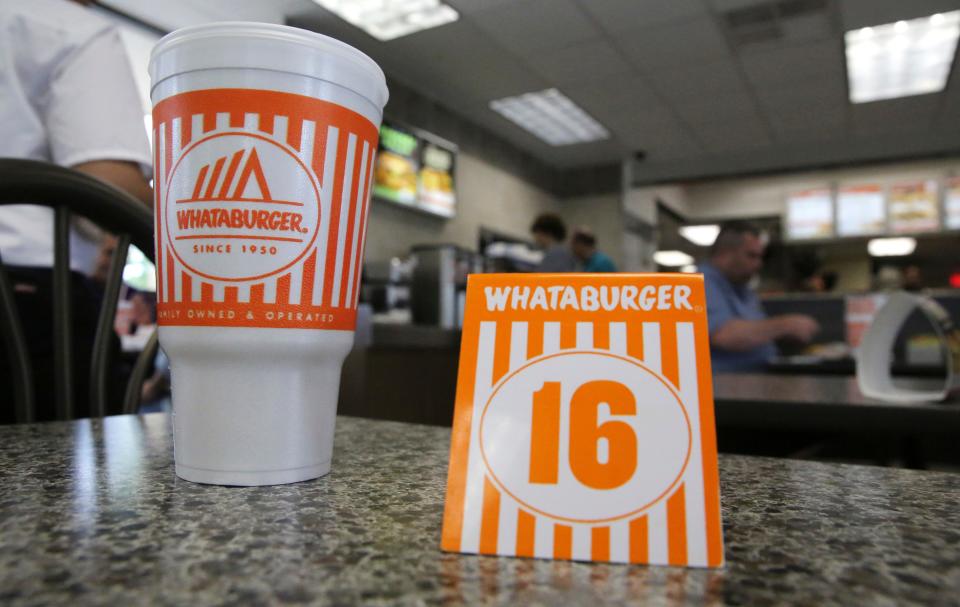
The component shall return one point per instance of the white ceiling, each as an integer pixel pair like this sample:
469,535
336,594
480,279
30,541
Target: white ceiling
667,77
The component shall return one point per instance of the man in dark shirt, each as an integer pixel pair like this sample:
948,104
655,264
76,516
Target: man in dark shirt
549,232
741,334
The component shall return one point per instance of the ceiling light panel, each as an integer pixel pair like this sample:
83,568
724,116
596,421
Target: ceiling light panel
702,235
891,247
389,19
901,59
672,259
551,116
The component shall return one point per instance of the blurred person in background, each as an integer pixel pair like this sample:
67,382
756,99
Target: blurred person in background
741,335
829,279
67,96
584,246
888,278
806,273
913,278
550,234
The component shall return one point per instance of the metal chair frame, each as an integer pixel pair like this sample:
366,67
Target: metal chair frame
69,192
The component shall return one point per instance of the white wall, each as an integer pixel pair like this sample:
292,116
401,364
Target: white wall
487,197
642,202
602,214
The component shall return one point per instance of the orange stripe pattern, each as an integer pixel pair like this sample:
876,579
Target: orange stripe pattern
681,529
320,287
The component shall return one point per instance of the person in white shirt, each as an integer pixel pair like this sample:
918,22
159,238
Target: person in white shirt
67,96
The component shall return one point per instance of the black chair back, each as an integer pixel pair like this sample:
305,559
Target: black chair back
69,192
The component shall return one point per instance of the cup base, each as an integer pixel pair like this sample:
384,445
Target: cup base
251,479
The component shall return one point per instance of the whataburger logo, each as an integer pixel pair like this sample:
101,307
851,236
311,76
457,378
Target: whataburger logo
251,219
221,204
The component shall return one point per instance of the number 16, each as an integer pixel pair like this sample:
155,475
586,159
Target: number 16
585,435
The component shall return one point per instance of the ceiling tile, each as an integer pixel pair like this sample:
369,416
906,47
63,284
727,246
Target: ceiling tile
657,134
580,63
720,137
667,82
661,140
788,64
620,15
622,93
679,43
948,116
861,13
734,105
469,7
822,94
643,121
895,115
819,106
526,26
818,130
805,116
431,61
804,28
601,152
693,81
729,5
807,110
672,148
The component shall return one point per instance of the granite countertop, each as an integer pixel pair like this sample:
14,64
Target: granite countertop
91,513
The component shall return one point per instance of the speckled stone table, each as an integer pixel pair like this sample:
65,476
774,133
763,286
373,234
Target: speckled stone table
91,513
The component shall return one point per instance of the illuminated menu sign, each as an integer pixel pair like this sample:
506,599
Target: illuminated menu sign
913,207
810,214
951,204
861,210
436,180
395,176
415,169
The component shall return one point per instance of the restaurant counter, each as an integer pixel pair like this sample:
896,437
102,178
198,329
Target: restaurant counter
91,512
409,373
810,402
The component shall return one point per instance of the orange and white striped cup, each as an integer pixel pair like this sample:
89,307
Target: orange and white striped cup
264,142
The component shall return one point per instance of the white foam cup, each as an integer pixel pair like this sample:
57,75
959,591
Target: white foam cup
264,142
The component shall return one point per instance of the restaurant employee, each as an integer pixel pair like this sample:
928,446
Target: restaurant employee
741,334
549,232
67,97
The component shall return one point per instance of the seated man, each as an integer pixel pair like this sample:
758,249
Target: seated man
741,335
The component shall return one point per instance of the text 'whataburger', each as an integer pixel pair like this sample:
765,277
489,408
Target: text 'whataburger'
588,298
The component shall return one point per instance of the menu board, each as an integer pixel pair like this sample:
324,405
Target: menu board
436,180
913,207
810,214
415,169
951,204
861,210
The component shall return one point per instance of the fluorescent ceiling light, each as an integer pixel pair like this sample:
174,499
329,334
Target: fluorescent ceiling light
389,19
672,259
551,116
701,235
688,269
891,247
901,59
